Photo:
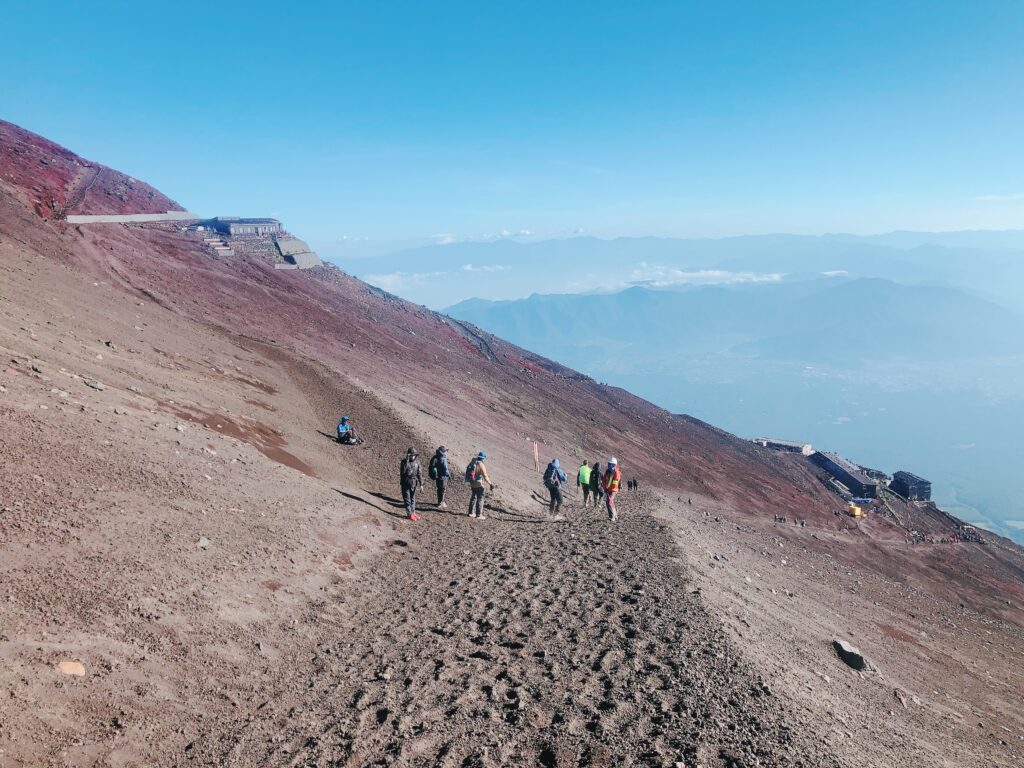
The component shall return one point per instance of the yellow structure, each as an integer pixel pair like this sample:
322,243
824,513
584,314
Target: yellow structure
855,511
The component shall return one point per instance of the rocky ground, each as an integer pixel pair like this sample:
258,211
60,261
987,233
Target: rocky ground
518,640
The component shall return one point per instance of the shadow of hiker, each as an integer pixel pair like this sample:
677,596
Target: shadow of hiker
334,439
392,501
370,503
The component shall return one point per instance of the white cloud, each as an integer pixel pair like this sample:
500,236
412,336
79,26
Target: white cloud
486,268
352,239
659,276
448,238
835,273
396,281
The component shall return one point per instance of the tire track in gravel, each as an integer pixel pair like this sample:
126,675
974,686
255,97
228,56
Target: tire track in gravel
516,641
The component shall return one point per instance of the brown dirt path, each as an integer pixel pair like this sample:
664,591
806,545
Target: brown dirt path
517,641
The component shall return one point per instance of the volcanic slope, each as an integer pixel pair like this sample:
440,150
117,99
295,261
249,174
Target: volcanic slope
241,590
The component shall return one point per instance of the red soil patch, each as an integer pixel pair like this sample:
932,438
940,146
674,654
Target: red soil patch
897,634
265,439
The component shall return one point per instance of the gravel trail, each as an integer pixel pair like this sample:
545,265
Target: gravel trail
521,641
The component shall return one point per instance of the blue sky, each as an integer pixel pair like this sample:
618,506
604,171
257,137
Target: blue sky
367,125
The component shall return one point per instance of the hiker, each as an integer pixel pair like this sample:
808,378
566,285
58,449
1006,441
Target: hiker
553,479
476,476
636,484
411,479
583,481
346,432
595,483
439,473
611,480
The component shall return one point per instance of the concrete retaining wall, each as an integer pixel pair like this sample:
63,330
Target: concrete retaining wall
131,218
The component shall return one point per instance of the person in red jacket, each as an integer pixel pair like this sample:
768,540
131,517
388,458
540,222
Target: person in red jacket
610,482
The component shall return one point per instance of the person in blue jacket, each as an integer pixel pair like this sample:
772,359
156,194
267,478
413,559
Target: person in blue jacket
553,479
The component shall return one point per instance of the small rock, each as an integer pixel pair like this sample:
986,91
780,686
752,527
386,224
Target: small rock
203,542
180,427
98,385
120,411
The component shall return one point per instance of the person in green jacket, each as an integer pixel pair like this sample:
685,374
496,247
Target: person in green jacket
583,481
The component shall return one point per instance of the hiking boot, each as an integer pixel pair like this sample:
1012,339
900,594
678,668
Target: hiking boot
480,517
442,505
414,516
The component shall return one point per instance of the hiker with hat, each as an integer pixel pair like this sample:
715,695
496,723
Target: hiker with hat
583,481
411,479
553,479
476,476
346,432
611,481
439,473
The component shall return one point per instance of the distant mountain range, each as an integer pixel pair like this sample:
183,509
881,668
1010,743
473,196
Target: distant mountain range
837,320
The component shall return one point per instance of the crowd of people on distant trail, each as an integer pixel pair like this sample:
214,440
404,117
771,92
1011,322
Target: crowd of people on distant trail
601,486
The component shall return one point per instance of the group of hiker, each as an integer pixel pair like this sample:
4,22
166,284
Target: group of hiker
595,483
410,475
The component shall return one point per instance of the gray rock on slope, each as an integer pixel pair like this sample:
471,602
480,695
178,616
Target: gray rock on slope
850,655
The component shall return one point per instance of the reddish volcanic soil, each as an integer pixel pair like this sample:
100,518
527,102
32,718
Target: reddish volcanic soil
238,589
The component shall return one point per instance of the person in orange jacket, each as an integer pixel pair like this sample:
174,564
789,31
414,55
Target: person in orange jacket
611,481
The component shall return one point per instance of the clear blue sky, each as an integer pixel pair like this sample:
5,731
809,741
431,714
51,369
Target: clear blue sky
401,121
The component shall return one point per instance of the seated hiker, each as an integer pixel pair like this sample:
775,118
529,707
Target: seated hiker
346,432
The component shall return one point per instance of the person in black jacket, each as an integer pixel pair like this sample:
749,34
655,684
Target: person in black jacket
411,478
439,472
595,484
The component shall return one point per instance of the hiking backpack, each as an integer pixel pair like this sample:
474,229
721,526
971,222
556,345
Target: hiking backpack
471,471
434,469
551,478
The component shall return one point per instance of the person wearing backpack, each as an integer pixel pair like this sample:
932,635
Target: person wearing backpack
553,479
439,473
583,481
595,483
611,481
476,476
411,479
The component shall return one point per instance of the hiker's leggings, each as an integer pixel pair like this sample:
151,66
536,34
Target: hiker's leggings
609,501
409,497
442,485
476,501
556,499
